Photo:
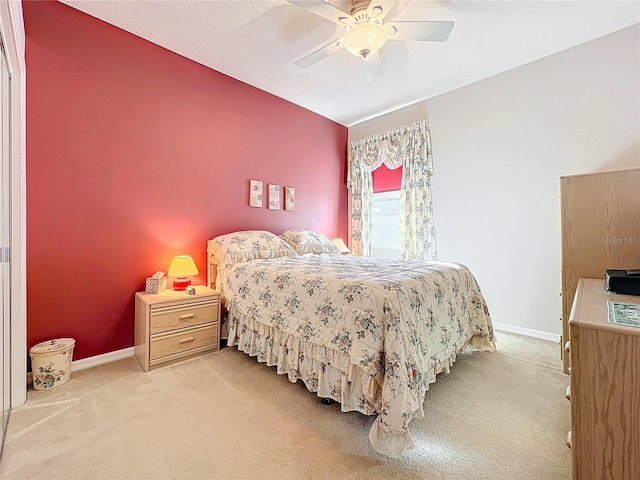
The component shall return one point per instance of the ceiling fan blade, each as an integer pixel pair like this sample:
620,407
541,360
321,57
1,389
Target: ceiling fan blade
423,31
372,66
321,53
325,10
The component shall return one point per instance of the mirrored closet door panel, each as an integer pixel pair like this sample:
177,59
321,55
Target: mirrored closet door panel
5,240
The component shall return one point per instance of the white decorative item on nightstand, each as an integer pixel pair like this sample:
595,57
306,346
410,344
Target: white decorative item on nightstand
173,326
157,283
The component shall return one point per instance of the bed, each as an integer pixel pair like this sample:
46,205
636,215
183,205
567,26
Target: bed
371,334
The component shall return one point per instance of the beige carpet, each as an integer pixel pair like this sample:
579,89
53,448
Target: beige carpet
496,416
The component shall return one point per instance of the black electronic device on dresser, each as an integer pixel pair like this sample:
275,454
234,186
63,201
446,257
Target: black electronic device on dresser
626,282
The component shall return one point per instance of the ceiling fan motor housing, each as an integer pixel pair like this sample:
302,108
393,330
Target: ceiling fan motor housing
366,34
361,13
365,39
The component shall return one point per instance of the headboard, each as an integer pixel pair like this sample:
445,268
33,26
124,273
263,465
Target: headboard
212,273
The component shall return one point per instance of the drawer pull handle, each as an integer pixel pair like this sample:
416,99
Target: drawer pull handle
187,315
187,340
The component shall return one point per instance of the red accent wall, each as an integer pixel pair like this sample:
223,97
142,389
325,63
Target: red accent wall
136,154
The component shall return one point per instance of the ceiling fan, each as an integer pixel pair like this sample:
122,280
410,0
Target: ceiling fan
367,32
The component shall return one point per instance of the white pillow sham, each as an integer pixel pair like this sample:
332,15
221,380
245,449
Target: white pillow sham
237,247
305,241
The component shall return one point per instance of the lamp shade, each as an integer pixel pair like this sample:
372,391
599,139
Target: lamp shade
365,39
342,248
182,266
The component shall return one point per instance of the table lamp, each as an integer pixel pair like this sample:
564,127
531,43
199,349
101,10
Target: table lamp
342,248
182,267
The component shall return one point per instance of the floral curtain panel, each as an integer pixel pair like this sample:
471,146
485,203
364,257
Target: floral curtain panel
409,147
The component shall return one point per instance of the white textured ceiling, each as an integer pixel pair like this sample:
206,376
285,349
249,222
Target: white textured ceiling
257,42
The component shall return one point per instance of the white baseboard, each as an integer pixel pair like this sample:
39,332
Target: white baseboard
101,359
128,352
95,361
552,337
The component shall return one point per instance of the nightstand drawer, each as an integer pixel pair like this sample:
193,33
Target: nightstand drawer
160,361
183,340
164,319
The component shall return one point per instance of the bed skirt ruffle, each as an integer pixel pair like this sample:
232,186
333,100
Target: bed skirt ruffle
329,373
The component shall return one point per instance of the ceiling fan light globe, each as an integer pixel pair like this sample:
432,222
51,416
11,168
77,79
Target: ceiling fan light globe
365,39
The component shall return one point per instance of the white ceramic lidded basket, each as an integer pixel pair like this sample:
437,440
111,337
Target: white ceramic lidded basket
51,363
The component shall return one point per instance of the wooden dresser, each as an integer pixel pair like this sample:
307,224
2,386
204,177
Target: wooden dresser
605,388
600,230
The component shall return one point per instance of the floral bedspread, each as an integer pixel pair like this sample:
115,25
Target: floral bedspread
388,325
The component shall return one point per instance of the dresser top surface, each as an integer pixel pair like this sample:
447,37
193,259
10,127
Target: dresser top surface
177,295
590,307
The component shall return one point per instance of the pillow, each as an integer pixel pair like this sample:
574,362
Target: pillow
248,245
228,250
304,241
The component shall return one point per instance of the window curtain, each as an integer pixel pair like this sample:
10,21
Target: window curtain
409,147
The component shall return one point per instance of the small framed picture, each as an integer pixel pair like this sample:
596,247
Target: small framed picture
289,199
255,193
274,197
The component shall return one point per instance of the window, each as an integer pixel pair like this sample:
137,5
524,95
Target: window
386,212
386,224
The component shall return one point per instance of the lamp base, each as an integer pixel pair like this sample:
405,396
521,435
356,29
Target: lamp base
181,283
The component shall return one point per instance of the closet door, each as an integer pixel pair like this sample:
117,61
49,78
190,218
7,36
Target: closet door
5,240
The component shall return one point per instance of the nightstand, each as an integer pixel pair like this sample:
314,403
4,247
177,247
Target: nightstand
173,325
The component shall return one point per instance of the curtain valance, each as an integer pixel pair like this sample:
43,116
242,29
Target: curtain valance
392,148
409,147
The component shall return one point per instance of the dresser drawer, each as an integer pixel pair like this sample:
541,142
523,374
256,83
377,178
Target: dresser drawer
164,319
184,340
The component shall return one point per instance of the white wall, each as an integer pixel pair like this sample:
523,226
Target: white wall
500,146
